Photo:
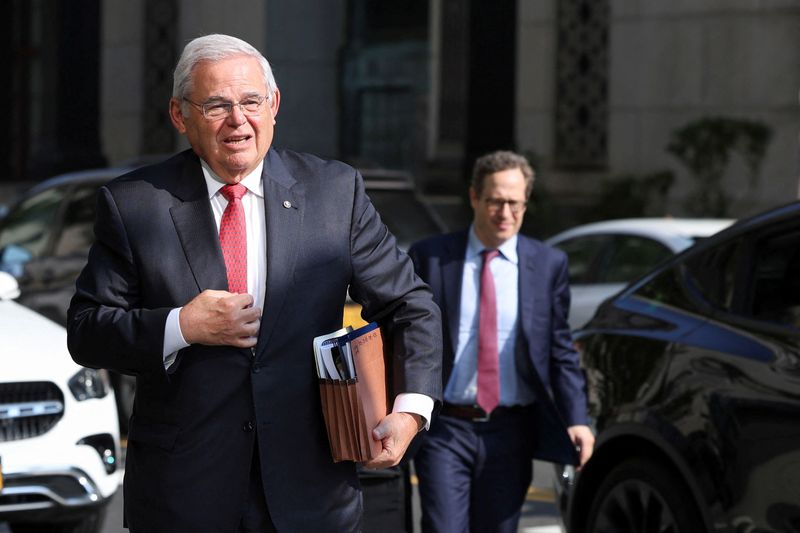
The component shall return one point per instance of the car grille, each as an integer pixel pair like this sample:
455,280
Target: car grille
29,409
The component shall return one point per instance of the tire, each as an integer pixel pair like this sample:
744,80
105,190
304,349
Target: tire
642,496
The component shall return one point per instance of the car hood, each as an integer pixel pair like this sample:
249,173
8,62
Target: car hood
32,346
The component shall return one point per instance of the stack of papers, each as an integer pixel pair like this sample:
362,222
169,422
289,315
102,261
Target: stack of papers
333,355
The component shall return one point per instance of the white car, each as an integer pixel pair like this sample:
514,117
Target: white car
606,256
59,434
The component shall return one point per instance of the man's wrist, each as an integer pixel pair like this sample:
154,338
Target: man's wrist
415,404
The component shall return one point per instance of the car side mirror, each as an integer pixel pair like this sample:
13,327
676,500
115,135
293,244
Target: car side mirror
13,258
9,289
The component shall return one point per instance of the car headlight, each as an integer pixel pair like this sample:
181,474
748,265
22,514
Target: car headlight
89,383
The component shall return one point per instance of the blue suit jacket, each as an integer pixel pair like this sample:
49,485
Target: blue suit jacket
544,335
193,429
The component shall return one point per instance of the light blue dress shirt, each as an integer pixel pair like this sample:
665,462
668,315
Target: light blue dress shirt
462,387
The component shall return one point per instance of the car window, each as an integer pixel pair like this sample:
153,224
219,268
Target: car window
582,253
776,279
703,280
770,292
629,257
30,225
76,234
404,214
711,276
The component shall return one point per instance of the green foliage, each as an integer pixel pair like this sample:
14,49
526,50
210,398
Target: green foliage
625,196
705,146
619,197
634,195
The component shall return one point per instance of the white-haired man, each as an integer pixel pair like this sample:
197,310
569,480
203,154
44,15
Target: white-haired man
210,276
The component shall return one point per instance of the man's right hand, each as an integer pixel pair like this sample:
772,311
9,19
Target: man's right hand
221,318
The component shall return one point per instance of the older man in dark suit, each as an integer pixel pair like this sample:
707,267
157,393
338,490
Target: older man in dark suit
514,388
210,276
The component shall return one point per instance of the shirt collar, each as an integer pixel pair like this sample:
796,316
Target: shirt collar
252,181
508,249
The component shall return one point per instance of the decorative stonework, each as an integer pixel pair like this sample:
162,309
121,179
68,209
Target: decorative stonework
582,84
160,21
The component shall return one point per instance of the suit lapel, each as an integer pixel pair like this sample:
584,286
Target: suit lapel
527,287
452,276
194,223
284,199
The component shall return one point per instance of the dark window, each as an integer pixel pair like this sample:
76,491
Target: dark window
630,257
383,80
386,21
611,258
710,277
776,279
385,117
30,225
705,280
711,280
76,234
667,288
582,254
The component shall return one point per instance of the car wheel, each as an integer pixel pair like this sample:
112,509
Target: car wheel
642,496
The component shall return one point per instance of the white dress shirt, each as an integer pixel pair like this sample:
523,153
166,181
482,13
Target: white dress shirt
462,387
255,221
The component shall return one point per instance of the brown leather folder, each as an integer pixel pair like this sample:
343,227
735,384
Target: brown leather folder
353,407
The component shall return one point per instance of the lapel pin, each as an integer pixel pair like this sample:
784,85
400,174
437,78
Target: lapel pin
287,204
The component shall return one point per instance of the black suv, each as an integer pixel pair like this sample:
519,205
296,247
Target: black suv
693,377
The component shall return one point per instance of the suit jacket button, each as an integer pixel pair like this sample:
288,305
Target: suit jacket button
256,368
248,426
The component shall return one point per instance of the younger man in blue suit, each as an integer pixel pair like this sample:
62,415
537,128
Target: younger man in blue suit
513,386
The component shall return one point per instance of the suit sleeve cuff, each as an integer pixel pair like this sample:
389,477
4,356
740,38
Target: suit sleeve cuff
412,402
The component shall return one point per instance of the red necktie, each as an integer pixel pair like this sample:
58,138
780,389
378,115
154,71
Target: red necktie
233,238
488,365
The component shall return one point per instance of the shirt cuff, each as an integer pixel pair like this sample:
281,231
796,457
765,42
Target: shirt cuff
418,404
173,338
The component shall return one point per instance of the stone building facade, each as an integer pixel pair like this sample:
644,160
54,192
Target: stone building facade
592,90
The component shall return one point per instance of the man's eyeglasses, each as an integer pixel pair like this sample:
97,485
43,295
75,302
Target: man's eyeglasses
496,204
216,109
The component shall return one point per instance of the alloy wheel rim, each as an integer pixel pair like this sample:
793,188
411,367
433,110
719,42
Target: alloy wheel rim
634,506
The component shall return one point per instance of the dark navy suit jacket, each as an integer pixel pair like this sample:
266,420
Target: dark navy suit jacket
193,428
544,336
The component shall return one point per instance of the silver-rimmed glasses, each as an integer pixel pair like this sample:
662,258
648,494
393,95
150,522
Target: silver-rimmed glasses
217,109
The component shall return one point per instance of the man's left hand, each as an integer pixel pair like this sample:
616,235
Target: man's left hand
395,432
583,438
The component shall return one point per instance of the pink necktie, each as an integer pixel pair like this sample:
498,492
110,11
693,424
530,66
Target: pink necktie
488,366
233,238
